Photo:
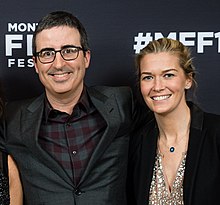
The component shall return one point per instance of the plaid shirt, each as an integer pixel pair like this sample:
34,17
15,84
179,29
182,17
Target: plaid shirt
71,139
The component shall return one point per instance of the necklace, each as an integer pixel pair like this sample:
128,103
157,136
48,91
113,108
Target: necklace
185,136
173,148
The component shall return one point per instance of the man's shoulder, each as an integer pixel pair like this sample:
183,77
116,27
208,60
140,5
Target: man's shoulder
22,102
16,105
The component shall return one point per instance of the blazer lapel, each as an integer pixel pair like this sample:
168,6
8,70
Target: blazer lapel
149,144
196,138
30,126
192,161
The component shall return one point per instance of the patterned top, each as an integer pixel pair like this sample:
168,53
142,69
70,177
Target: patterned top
159,193
4,186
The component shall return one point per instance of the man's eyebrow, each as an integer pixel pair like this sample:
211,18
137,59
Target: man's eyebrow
69,45
46,49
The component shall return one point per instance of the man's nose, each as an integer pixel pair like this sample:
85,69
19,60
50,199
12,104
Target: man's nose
59,61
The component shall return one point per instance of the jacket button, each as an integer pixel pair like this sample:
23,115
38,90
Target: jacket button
78,192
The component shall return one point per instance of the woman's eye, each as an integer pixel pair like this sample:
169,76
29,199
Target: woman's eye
168,75
147,78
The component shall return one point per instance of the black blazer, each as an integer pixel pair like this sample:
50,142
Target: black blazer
45,181
202,173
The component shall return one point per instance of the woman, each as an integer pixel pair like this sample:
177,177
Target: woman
10,184
175,157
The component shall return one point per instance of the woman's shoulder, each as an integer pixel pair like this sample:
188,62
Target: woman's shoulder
212,120
202,118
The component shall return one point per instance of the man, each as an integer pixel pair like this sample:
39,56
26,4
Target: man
70,143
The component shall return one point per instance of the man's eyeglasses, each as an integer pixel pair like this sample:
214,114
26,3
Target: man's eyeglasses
68,53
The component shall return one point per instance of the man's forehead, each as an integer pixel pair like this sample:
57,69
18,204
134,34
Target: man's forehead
59,34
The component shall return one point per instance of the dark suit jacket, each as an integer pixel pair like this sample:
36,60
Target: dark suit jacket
45,181
202,173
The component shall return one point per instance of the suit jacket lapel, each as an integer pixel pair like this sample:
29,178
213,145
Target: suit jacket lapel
30,123
30,126
107,107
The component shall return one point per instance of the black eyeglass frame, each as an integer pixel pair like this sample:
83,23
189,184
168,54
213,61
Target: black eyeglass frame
37,54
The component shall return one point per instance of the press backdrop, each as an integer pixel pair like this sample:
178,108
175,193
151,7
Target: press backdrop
117,30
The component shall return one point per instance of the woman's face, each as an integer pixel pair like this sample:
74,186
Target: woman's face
163,82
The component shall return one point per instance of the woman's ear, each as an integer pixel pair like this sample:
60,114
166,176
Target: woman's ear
189,81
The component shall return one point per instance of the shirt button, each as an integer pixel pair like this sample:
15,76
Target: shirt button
68,124
74,152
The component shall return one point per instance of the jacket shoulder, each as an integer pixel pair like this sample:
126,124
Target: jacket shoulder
212,120
121,93
111,89
14,107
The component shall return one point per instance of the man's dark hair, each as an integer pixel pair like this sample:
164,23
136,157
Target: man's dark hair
61,18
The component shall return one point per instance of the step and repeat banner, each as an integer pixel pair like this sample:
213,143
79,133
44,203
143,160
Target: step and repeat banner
117,30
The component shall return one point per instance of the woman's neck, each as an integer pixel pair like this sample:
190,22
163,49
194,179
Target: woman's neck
174,125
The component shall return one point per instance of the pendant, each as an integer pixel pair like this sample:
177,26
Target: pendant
172,149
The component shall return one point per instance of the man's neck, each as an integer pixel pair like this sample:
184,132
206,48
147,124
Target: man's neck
64,102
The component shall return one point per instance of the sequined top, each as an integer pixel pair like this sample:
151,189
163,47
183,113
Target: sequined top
4,186
159,193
